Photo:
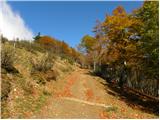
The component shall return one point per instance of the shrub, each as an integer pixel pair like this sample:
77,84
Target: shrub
39,79
30,46
42,64
5,90
68,58
8,58
51,75
3,39
47,93
27,87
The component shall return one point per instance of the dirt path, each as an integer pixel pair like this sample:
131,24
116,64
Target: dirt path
81,95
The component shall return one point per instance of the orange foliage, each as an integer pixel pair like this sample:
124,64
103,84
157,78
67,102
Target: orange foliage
119,11
103,115
46,40
58,47
66,92
89,94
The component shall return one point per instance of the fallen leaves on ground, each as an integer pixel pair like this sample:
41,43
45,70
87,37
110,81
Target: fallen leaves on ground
89,94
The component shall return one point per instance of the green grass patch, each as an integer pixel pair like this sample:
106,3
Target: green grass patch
112,109
45,92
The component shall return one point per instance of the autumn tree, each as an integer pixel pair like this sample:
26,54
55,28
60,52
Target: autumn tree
119,27
48,42
65,49
74,54
125,47
101,43
87,43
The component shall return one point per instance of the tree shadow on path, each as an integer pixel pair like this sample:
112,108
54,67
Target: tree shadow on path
130,98
133,100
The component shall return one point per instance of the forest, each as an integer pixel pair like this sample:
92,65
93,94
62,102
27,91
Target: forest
125,48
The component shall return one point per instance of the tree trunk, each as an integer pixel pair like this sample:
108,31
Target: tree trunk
94,67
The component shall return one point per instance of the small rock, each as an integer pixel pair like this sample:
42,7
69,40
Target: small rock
15,89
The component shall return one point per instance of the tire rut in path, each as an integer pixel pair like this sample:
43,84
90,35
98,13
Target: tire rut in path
72,101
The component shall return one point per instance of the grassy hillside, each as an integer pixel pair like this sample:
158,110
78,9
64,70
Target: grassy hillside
28,74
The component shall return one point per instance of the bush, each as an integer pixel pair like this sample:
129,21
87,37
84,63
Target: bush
51,75
3,39
5,90
68,58
8,58
42,64
43,78
28,87
30,46
39,79
25,85
47,93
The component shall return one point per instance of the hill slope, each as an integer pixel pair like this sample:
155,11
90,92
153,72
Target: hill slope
24,88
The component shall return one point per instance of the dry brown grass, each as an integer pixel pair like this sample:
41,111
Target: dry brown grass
8,58
42,64
26,93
